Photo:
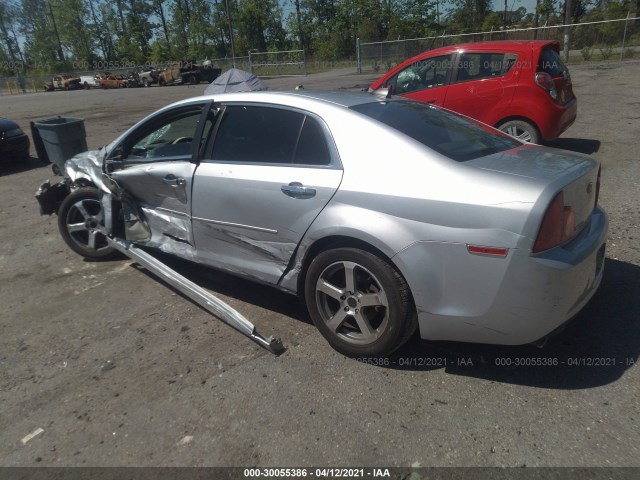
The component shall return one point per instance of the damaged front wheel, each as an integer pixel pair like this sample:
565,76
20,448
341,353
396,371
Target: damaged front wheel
80,218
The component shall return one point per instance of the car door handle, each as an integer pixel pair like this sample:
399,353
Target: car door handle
174,181
297,190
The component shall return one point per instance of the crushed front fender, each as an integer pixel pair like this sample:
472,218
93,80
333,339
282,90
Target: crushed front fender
51,196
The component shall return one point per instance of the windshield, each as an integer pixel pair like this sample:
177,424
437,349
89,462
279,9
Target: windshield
454,136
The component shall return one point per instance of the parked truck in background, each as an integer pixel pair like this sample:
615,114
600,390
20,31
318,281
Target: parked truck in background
148,75
90,81
191,73
62,82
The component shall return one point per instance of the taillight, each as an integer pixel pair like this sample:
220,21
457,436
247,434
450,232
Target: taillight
595,204
558,225
544,81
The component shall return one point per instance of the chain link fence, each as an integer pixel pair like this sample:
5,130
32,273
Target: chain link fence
278,64
281,63
603,40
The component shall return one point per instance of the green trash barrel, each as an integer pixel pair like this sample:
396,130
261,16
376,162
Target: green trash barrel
62,137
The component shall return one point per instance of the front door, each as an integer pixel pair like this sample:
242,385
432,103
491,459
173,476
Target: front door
154,167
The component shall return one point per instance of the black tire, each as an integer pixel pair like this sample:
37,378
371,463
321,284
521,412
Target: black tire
521,129
193,80
145,83
78,218
376,329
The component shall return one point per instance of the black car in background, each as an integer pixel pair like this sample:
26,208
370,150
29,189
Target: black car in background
14,143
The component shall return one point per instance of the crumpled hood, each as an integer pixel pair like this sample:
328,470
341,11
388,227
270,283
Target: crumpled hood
86,165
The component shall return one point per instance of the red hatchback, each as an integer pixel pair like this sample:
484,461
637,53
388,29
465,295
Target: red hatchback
520,87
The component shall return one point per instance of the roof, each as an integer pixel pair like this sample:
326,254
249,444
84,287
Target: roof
293,97
514,45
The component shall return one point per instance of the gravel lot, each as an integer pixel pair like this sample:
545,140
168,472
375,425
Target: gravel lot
119,370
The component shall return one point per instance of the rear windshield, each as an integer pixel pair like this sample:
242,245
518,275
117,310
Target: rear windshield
551,63
454,136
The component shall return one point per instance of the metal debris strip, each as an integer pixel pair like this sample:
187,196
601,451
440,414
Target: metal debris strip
33,434
196,293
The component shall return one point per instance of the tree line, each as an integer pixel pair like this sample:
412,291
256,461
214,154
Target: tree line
43,36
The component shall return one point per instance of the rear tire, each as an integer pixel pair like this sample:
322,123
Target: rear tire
520,129
359,302
79,217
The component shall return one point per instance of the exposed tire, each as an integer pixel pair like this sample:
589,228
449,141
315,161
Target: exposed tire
146,83
193,80
79,216
359,302
521,129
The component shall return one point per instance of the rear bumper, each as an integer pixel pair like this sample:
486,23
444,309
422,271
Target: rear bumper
508,301
557,119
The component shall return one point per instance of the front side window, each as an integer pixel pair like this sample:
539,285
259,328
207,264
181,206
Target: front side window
454,136
169,136
421,75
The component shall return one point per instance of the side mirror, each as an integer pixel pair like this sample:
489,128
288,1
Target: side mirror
114,160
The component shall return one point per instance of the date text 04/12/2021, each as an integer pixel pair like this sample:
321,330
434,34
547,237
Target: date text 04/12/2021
316,472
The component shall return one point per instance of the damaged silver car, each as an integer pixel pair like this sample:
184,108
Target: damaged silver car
385,215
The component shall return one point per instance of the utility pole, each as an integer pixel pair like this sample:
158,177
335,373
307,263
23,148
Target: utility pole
505,15
55,28
567,21
299,20
233,49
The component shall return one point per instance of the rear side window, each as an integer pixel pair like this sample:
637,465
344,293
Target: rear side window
551,63
312,146
251,134
476,66
456,137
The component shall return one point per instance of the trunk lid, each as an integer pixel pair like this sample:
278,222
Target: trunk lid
554,170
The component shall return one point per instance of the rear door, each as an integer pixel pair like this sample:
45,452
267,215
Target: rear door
482,84
265,177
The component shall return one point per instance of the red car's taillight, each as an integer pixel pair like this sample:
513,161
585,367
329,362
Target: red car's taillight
558,225
545,82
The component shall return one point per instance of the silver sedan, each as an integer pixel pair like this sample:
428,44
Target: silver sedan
383,214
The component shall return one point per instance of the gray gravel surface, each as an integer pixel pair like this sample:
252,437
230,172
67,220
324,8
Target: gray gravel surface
118,369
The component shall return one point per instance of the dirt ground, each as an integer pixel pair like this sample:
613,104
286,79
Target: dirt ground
119,370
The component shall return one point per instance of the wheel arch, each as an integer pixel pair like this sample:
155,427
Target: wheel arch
521,118
340,241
